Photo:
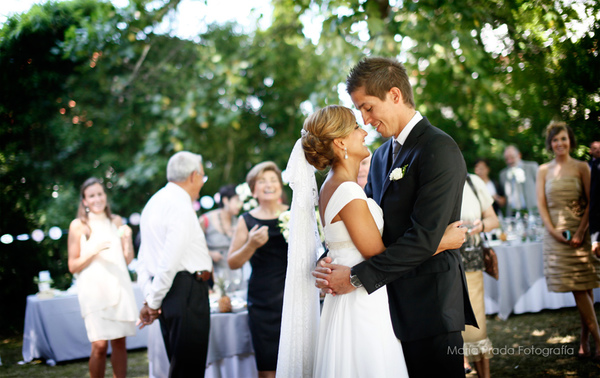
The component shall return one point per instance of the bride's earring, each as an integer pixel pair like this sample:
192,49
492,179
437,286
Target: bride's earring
87,209
345,153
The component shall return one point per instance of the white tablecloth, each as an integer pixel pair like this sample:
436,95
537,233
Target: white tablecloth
230,352
55,331
522,286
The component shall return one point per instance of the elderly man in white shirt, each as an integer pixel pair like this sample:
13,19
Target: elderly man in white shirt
175,267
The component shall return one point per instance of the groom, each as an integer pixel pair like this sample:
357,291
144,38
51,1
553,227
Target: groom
420,192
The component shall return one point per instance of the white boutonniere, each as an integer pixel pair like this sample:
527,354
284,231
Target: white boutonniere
398,173
518,174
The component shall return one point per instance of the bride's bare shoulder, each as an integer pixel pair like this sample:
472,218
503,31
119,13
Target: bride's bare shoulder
327,190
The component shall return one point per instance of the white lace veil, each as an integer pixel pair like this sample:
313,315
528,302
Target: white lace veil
300,317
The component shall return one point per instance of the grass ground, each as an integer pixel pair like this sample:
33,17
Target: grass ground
542,344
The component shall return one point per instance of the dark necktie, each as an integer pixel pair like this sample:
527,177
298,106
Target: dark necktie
395,149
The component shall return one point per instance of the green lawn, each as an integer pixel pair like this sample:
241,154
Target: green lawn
541,344
528,345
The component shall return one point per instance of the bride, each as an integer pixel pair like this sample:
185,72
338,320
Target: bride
355,336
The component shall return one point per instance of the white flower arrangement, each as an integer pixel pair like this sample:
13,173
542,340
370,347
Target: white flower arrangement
245,194
284,225
398,173
517,173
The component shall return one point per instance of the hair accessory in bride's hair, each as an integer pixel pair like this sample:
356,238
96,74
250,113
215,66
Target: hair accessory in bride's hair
303,132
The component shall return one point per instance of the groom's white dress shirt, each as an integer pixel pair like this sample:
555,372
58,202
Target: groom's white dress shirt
408,128
171,241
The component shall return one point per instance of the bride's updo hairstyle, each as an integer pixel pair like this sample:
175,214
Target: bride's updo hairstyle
319,131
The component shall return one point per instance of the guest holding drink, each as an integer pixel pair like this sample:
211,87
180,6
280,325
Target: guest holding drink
563,192
100,248
478,215
258,238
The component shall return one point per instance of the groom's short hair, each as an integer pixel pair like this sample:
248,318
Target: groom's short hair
378,75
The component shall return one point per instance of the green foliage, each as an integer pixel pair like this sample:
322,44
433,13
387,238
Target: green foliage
114,100
91,90
60,120
485,97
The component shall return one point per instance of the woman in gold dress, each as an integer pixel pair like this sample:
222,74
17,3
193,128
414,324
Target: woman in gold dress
563,191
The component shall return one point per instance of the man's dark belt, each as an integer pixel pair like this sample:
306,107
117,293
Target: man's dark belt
202,275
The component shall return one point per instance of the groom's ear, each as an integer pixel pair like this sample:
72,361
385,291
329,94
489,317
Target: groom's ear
395,94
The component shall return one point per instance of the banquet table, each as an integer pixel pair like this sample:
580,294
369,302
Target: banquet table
522,287
230,352
55,331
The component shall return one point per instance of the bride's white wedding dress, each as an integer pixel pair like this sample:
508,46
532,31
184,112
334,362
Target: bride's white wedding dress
356,338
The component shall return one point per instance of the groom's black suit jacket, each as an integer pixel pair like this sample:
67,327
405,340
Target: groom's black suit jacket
427,295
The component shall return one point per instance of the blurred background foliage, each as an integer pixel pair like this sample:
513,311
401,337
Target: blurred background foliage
91,90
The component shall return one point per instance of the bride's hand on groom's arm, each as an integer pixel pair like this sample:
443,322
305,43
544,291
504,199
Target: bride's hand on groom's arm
454,237
321,274
332,278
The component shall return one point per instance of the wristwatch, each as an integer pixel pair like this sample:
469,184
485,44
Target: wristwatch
354,280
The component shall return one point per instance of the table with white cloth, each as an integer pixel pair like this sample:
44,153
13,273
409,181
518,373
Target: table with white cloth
230,352
55,331
522,287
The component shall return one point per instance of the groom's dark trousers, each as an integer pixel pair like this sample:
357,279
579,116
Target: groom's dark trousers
429,301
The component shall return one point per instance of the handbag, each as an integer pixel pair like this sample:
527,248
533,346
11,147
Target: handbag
490,260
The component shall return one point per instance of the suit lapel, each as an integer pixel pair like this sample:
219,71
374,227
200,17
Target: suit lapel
406,150
387,152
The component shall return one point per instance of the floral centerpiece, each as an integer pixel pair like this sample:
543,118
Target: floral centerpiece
44,282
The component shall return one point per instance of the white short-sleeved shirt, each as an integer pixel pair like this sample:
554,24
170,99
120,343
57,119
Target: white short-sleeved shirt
171,241
471,208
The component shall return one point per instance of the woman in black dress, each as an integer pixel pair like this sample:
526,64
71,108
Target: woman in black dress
258,238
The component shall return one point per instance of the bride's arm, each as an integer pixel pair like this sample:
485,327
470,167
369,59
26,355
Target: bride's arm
365,235
453,238
362,228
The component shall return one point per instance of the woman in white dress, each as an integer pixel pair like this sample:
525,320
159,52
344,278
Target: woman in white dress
355,337
100,248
